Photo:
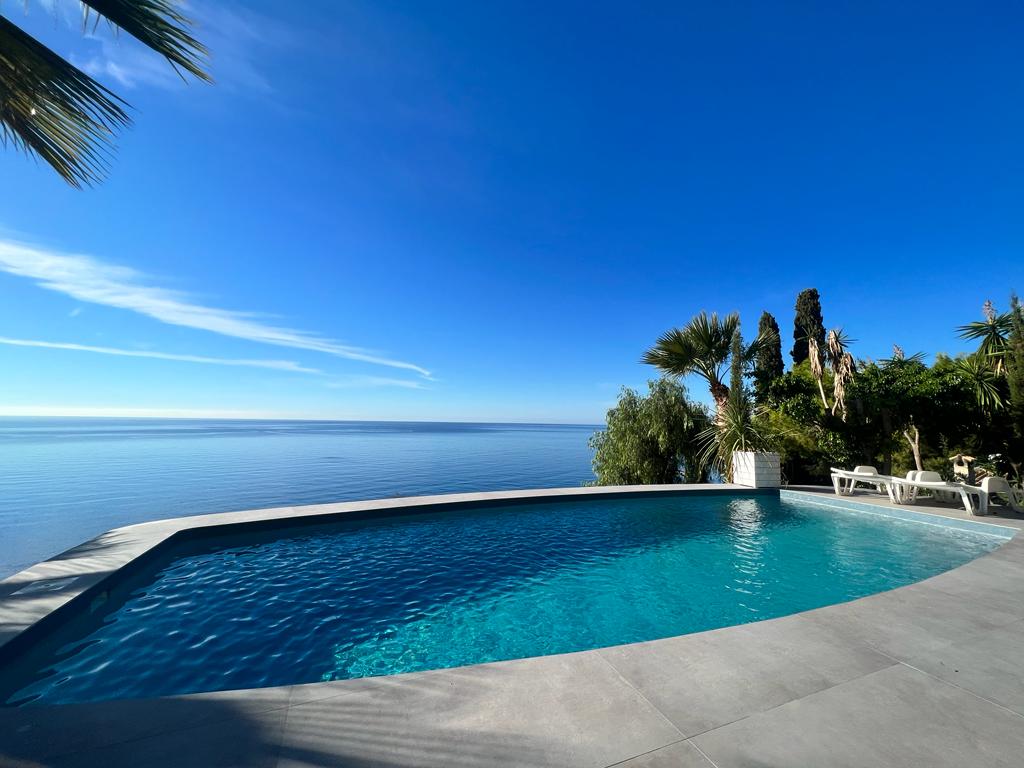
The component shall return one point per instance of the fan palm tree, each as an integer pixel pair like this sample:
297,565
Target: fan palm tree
51,109
702,347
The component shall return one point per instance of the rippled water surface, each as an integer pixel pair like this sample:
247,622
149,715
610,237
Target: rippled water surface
64,481
446,589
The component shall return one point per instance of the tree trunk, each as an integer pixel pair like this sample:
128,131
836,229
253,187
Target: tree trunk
720,394
915,445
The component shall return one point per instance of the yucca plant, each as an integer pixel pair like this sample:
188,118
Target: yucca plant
51,109
741,427
994,332
987,383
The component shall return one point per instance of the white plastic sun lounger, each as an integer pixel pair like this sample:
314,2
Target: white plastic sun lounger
906,492
992,486
845,482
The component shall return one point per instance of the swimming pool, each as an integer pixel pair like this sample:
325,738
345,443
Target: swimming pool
440,589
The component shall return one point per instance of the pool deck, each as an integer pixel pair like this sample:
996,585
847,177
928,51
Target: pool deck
931,674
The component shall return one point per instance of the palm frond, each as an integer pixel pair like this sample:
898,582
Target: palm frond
994,332
900,357
51,108
984,380
998,327
739,427
157,24
701,347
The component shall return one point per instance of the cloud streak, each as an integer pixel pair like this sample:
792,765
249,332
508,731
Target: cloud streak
277,365
89,280
347,382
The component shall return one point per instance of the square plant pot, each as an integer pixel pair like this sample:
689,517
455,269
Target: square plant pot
757,470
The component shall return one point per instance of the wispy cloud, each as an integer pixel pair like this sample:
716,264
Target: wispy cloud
87,279
277,365
346,382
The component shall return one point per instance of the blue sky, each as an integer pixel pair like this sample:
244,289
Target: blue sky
487,211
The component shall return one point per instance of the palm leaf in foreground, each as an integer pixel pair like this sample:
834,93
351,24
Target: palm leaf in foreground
53,110
156,24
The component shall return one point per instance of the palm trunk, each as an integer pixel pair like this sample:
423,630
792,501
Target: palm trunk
720,394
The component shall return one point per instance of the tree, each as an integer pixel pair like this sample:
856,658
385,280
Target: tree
702,347
897,398
652,439
808,324
768,364
994,332
1015,374
739,426
51,109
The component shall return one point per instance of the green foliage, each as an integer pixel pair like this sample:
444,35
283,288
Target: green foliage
1015,375
768,364
993,331
739,427
987,384
736,389
808,324
898,411
702,347
652,438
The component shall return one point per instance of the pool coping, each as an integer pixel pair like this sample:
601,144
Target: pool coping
934,646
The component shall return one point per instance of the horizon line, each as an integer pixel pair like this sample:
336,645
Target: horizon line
192,415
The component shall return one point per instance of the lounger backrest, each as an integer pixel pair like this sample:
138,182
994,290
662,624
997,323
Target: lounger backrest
995,485
924,476
912,474
865,470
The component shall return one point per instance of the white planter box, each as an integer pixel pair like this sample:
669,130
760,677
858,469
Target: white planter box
757,470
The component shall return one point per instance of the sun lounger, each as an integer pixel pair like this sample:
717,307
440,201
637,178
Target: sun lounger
905,491
991,486
845,481
925,476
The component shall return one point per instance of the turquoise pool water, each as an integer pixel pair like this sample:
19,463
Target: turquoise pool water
417,592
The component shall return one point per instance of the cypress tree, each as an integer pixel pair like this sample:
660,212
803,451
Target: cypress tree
736,392
1015,369
808,324
768,365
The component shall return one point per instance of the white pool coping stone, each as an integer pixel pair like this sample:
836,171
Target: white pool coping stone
927,674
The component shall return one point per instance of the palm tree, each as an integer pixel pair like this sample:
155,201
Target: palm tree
51,109
702,347
994,331
988,385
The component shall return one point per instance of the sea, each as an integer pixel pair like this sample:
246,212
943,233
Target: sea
63,481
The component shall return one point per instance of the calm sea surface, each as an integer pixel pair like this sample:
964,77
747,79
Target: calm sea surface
63,481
